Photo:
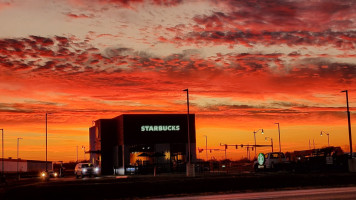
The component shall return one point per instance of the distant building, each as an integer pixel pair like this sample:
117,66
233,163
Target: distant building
30,166
137,143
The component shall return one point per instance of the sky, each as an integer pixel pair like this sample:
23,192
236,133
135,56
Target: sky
248,64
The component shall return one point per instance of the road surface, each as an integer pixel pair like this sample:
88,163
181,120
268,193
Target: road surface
164,186
344,193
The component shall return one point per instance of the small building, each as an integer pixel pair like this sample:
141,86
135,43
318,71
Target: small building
137,143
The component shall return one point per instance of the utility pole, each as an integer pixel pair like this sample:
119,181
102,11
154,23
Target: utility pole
279,136
18,152
188,132
349,120
206,146
327,134
2,146
83,147
313,143
46,144
271,141
254,134
225,152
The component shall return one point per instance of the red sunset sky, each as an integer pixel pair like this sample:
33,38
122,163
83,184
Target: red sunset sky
247,63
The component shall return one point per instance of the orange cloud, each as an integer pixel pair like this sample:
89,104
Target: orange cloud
244,71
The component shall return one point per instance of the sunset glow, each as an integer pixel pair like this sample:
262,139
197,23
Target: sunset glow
248,64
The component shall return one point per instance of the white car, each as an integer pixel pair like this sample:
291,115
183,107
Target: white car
86,169
274,160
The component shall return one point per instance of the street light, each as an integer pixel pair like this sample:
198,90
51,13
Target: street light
349,120
279,136
18,152
254,134
46,143
83,147
206,146
188,132
321,134
186,90
2,151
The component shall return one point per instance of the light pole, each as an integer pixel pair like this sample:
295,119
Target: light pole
313,144
188,167
321,134
271,142
83,147
2,151
18,152
349,120
46,142
279,137
254,134
189,160
206,146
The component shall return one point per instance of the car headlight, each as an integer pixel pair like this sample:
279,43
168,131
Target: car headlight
55,174
96,169
84,170
43,174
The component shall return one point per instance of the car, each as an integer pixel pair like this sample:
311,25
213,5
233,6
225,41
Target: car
53,174
49,174
272,161
86,169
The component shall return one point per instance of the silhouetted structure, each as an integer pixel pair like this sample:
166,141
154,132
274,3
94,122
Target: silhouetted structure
319,159
25,166
138,143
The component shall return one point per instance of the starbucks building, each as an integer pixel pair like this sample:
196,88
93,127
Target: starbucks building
140,143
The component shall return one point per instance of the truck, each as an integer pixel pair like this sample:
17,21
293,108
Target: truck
327,158
270,161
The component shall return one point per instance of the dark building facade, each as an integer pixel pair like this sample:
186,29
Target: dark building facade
137,143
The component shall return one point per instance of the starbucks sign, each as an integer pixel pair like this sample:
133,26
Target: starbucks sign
261,159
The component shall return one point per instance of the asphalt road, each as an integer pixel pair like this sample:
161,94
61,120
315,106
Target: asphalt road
172,185
344,193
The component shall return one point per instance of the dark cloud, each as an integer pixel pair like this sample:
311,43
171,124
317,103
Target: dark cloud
281,14
42,41
62,40
121,51
132,3
41,53
342,40
326,68
126,67
250,22
42,103
12,108
79,16
167,2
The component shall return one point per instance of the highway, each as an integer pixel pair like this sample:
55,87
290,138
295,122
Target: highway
343,193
